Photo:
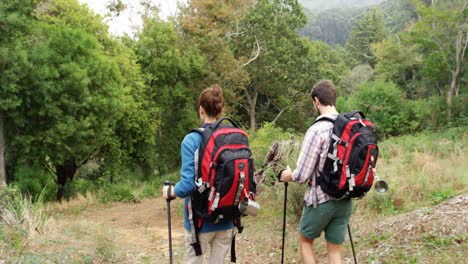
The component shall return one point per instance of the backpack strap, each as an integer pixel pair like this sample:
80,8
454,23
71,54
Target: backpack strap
325,118
198,130
194,230
219,121
233,249
240,228
313,181
354,113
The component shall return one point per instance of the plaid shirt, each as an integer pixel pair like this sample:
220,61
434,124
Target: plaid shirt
311,159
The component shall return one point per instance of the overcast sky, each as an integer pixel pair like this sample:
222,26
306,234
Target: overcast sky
129,18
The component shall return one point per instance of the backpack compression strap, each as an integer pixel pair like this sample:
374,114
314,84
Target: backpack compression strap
194,230
240,228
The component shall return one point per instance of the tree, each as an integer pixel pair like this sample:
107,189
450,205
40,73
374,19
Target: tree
399,61
16,21
368,30
398,14
133,142
277,66
316,61
208,26
71,92
332,26
169,73
443,35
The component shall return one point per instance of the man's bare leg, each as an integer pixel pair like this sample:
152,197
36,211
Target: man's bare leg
307,249
334,253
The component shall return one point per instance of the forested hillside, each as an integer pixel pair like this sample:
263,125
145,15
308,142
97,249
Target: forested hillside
321,5
333,25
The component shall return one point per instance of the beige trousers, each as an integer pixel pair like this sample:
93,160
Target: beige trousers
218,242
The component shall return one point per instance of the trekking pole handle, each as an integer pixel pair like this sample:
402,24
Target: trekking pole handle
169,190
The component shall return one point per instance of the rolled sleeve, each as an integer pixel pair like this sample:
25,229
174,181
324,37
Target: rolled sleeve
308,157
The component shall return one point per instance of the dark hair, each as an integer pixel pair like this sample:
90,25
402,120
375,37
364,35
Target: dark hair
325,91
211,99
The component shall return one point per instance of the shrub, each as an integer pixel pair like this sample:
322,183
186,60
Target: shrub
121,192
261,140
35,181
433,111
386,106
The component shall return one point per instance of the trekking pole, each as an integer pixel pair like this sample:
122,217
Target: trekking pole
168,201
352,245
284,219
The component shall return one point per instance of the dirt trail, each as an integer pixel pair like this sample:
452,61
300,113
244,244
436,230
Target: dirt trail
141,227
140,233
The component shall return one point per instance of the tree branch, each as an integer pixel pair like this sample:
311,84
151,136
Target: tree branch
256,55
279,114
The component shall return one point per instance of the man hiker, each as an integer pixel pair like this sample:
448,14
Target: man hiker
320,212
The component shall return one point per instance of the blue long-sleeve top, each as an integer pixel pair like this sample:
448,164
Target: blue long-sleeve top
186,185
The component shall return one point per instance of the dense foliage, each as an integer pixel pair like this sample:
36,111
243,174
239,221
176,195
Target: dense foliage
81,109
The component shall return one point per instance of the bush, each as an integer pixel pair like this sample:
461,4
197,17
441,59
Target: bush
35,181
433,111
386,106
121,192
261,140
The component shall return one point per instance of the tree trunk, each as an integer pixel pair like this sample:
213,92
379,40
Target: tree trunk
252,101
449,103
453,83
65,173
2,153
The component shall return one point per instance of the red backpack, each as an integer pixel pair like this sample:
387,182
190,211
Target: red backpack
349,169
224,175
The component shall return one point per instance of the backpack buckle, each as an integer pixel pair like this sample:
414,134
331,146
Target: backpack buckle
201,186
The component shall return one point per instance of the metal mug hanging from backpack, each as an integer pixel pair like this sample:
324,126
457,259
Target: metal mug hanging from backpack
249,207
380,185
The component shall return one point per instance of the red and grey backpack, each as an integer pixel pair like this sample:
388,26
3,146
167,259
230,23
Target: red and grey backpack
224,175
349,169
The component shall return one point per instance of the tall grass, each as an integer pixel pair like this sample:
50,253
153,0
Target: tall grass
421,169
20,221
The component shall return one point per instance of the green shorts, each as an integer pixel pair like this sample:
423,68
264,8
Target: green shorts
331,216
